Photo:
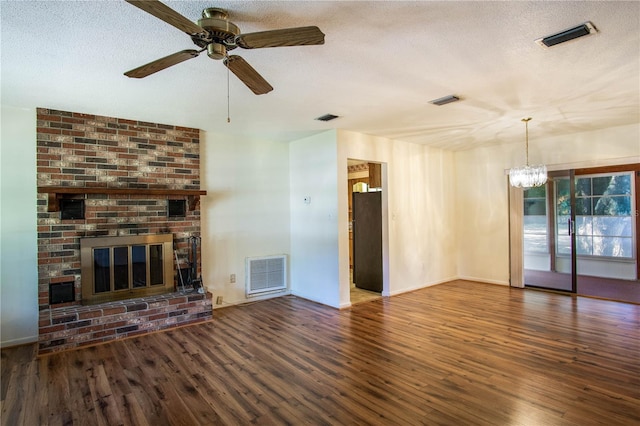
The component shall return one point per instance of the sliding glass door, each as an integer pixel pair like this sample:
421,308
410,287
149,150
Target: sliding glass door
580,233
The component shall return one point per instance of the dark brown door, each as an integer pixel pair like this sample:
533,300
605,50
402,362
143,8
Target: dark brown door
367,240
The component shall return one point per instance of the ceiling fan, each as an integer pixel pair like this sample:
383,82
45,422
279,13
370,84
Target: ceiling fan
217,35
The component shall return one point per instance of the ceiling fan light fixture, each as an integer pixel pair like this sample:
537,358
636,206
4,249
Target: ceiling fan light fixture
445,100
327,117
569,34
216,51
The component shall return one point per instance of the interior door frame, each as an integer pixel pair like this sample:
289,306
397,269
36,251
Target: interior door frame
386,268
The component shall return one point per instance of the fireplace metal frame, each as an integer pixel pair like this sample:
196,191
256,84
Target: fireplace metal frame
87,247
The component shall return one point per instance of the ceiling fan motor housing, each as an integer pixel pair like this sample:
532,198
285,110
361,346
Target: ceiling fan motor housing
220,32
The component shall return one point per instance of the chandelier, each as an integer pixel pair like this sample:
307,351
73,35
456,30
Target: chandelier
528,176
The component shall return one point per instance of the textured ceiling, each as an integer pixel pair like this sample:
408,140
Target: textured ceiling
381,64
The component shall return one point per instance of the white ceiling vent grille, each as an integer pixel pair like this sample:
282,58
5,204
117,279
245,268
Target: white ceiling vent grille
569,34
266,274
327,117
445,100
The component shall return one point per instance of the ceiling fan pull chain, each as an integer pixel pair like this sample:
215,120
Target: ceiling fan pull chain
228,113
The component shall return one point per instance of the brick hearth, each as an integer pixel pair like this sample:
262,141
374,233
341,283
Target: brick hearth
73,326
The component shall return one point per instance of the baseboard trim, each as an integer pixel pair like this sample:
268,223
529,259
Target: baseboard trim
18,342
419,287
484,280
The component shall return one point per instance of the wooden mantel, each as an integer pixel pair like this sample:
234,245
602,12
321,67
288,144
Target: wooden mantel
56,192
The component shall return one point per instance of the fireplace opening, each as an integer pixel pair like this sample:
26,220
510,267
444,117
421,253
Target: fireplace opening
116,268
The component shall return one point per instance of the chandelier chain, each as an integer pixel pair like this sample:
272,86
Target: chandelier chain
526,140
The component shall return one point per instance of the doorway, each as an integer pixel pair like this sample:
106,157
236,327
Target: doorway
580,233
364,186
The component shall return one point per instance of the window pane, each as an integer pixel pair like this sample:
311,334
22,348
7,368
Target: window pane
584,245
600,184
612,246
563,200
139,266
101,270
535,243
562,225
535,224
612,206
535,206
538,192
563,244
535,234
613,226
583,187
583,206
612,185
121,268
584,225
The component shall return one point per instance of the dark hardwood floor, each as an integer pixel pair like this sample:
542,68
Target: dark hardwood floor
459,353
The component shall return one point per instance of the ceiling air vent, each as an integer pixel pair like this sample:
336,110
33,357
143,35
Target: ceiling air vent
327,117
566,35
445,100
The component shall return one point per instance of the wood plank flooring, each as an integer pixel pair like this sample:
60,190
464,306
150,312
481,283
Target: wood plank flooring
459,353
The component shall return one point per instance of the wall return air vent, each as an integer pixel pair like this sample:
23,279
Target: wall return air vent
570,34
266,274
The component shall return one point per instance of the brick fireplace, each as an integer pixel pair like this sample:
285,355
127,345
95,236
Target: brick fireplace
101,177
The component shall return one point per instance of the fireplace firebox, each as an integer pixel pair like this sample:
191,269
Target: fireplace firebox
117,268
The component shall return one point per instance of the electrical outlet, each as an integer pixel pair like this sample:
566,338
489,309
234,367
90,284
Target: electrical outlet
219,300
232,278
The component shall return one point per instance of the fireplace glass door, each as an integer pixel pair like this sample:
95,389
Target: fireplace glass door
115,268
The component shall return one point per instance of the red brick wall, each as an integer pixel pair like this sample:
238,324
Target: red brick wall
84,150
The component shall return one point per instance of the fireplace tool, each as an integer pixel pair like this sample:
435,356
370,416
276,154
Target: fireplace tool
175,253
196,283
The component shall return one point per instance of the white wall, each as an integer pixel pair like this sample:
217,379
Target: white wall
314,226
447,212
482,192
18,246
246,210
420,183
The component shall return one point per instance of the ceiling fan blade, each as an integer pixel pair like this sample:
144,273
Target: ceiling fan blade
168,15
300,36
162,63
247,75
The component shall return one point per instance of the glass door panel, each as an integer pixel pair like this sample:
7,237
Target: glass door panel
606,261
547,234
564,235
